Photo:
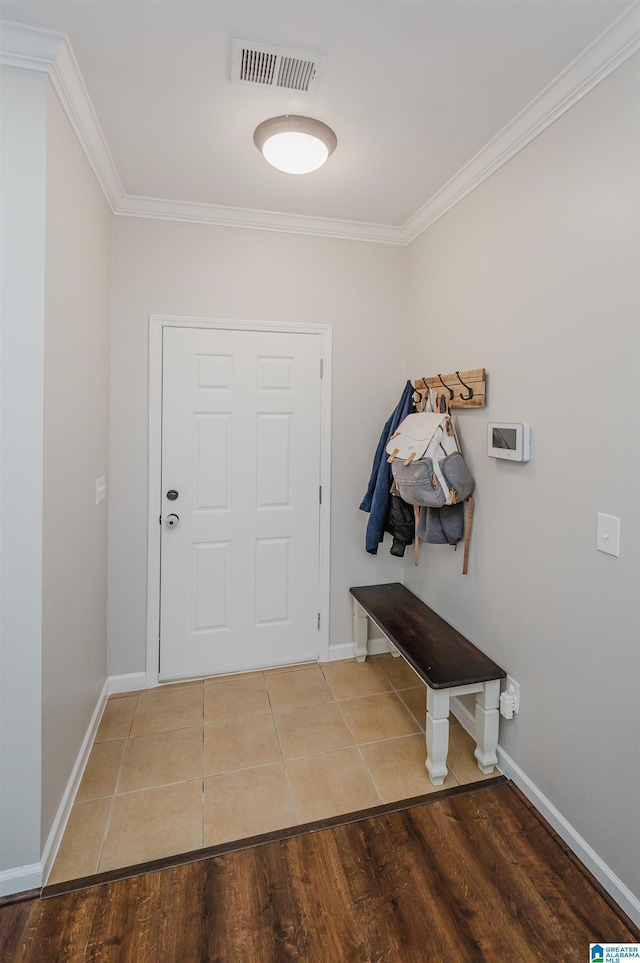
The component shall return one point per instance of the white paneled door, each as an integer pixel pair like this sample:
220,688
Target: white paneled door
240,500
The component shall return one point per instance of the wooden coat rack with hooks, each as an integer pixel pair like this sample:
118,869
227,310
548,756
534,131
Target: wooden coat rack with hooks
461,389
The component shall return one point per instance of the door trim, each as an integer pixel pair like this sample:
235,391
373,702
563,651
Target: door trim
157,323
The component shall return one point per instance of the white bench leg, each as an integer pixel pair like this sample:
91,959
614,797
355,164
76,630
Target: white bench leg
437,734
487,722
360,631
394,651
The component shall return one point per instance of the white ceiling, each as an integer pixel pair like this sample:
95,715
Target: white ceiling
412,89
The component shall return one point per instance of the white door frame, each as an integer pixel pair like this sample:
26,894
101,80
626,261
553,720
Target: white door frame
156,324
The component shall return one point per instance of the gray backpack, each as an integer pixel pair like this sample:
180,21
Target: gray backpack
426,461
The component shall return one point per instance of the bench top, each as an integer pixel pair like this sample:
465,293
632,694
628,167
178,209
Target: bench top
438,652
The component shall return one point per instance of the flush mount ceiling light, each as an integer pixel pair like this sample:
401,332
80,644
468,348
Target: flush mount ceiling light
296,145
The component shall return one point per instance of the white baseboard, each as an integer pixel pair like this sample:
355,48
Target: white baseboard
20,879
68,797
623,896
114,684
346,651
130,682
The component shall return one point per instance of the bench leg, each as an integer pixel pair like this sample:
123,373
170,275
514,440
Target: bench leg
487,721
437,734
360,631
394,651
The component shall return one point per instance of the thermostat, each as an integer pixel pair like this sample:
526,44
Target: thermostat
508,440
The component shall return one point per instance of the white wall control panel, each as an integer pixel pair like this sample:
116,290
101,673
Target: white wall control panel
510,440
608,537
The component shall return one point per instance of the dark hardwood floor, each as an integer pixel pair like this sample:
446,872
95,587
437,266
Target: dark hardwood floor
476,876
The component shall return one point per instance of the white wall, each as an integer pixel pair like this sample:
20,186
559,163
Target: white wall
173,268
21,428
56,240
76,440
535,276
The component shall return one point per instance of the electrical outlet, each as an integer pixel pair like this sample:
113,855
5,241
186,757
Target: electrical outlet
512,688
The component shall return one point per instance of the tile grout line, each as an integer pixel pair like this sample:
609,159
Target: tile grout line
284,762
333,701
356,743
395,691
364,762
129,738
422,725
115,788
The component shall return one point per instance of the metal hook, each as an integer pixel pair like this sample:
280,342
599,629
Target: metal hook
427,395
468,387
421,401
450,390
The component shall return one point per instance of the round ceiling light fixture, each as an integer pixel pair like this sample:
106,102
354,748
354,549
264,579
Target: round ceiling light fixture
294,144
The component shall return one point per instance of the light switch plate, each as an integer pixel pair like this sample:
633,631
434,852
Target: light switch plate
101,489
608,537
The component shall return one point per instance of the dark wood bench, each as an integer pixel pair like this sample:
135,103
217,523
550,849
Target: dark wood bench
444,659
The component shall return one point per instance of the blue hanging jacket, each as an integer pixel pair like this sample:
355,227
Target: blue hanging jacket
376,500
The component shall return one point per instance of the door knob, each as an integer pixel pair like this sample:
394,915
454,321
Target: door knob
171,521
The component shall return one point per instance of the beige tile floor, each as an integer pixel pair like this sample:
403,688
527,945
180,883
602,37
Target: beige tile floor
195,764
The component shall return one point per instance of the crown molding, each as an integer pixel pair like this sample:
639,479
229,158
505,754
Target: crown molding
50,52
68,84
213,214
28,48
619,42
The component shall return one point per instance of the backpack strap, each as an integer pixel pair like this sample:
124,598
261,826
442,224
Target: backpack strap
467,534
416,540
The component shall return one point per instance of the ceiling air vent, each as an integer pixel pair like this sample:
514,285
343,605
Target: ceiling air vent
264,66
